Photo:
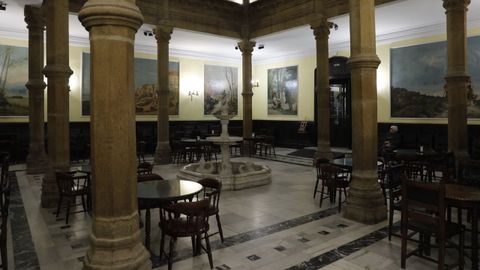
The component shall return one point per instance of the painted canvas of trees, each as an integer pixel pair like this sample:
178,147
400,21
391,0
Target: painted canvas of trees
13,76
221,89
283,91
146,89
417,80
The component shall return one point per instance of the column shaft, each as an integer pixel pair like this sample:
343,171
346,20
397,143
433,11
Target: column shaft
321,30
37,158
365,199
115,240
57,72
246,47
457,78
162,153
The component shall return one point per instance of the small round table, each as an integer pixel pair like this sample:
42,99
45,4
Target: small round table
156,193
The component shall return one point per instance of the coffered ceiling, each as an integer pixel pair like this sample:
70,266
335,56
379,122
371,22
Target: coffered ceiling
397,20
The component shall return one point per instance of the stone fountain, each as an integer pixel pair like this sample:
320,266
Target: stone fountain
234,175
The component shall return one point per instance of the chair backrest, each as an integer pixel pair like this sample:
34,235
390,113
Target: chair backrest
469,173
69,183
211,188
319,162
424,203
393,176
329,173
144,168
193,215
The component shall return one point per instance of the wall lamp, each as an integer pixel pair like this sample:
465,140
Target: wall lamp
255,83
192,93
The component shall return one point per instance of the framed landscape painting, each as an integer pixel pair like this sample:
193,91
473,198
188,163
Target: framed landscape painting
221,90
13,77
146,97
418,80
283,91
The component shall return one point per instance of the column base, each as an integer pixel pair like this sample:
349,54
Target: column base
37,163
49,198
115,243
365,202
162,153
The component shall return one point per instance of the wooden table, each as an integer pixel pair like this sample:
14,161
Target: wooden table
156,193
466,197
345,163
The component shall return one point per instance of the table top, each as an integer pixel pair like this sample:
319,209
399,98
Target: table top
462,193
342,162
167,190
81,168
412,152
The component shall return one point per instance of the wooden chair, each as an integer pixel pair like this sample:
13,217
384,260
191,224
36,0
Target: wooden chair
334,179
391,185
319,162
70,186
186,219
423,212
212,189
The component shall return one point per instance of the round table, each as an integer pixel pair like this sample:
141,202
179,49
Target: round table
156,193
345,163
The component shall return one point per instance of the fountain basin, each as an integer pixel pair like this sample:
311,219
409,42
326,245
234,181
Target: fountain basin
243,174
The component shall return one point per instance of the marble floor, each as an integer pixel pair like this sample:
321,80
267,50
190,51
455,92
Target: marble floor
278,226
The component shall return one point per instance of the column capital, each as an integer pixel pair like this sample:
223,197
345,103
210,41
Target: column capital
246,46
110,12
321,27
163,32
367,61
451,5
34,17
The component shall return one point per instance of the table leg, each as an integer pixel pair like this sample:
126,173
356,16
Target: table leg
475,238
147,228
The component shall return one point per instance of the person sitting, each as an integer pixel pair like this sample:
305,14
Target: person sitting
392,141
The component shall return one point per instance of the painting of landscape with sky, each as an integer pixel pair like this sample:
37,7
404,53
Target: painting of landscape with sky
418,80
13,76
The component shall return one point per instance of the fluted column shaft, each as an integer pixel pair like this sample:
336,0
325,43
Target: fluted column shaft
37,158
457,78
163,33
365,200
321,30
57,72
246,47
115,240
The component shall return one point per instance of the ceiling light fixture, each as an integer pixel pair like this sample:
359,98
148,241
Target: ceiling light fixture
148,33
3,5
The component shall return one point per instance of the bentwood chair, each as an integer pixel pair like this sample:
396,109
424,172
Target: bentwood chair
212,188
318,163
334,179
70,186
391,183
423,212
186,219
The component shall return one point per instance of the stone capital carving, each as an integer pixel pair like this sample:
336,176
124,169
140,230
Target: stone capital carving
34,18
367,61
246,47
110,12
451,5
57,70
321,27
163,32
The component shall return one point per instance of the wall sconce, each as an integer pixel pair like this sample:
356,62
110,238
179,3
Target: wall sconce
255,83
191,94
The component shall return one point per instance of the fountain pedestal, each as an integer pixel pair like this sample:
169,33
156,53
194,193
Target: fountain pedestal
234,175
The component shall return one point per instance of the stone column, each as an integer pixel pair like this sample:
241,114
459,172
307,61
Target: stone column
37,158
365,200
246,47
321,30
57,72
163,33
457,78
115,240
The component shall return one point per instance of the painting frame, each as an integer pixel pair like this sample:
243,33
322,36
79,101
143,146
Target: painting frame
220,89
14,99
282,91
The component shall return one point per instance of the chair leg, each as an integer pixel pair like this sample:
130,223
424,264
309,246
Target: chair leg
321,194
339,199
3,248
83,204
194,244
162,245
209,250
461,244
219,225
68,210
315,190
170,253
59,205
390,221
404,246
441,253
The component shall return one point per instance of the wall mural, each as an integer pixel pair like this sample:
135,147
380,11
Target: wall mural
283,91
417,80
221,89
13,76
146,97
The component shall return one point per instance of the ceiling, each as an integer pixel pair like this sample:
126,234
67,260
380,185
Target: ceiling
399,20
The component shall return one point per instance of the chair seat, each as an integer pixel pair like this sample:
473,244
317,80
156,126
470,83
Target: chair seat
183,228
450,228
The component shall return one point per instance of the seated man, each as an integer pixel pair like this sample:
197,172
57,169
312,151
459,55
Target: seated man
392,141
